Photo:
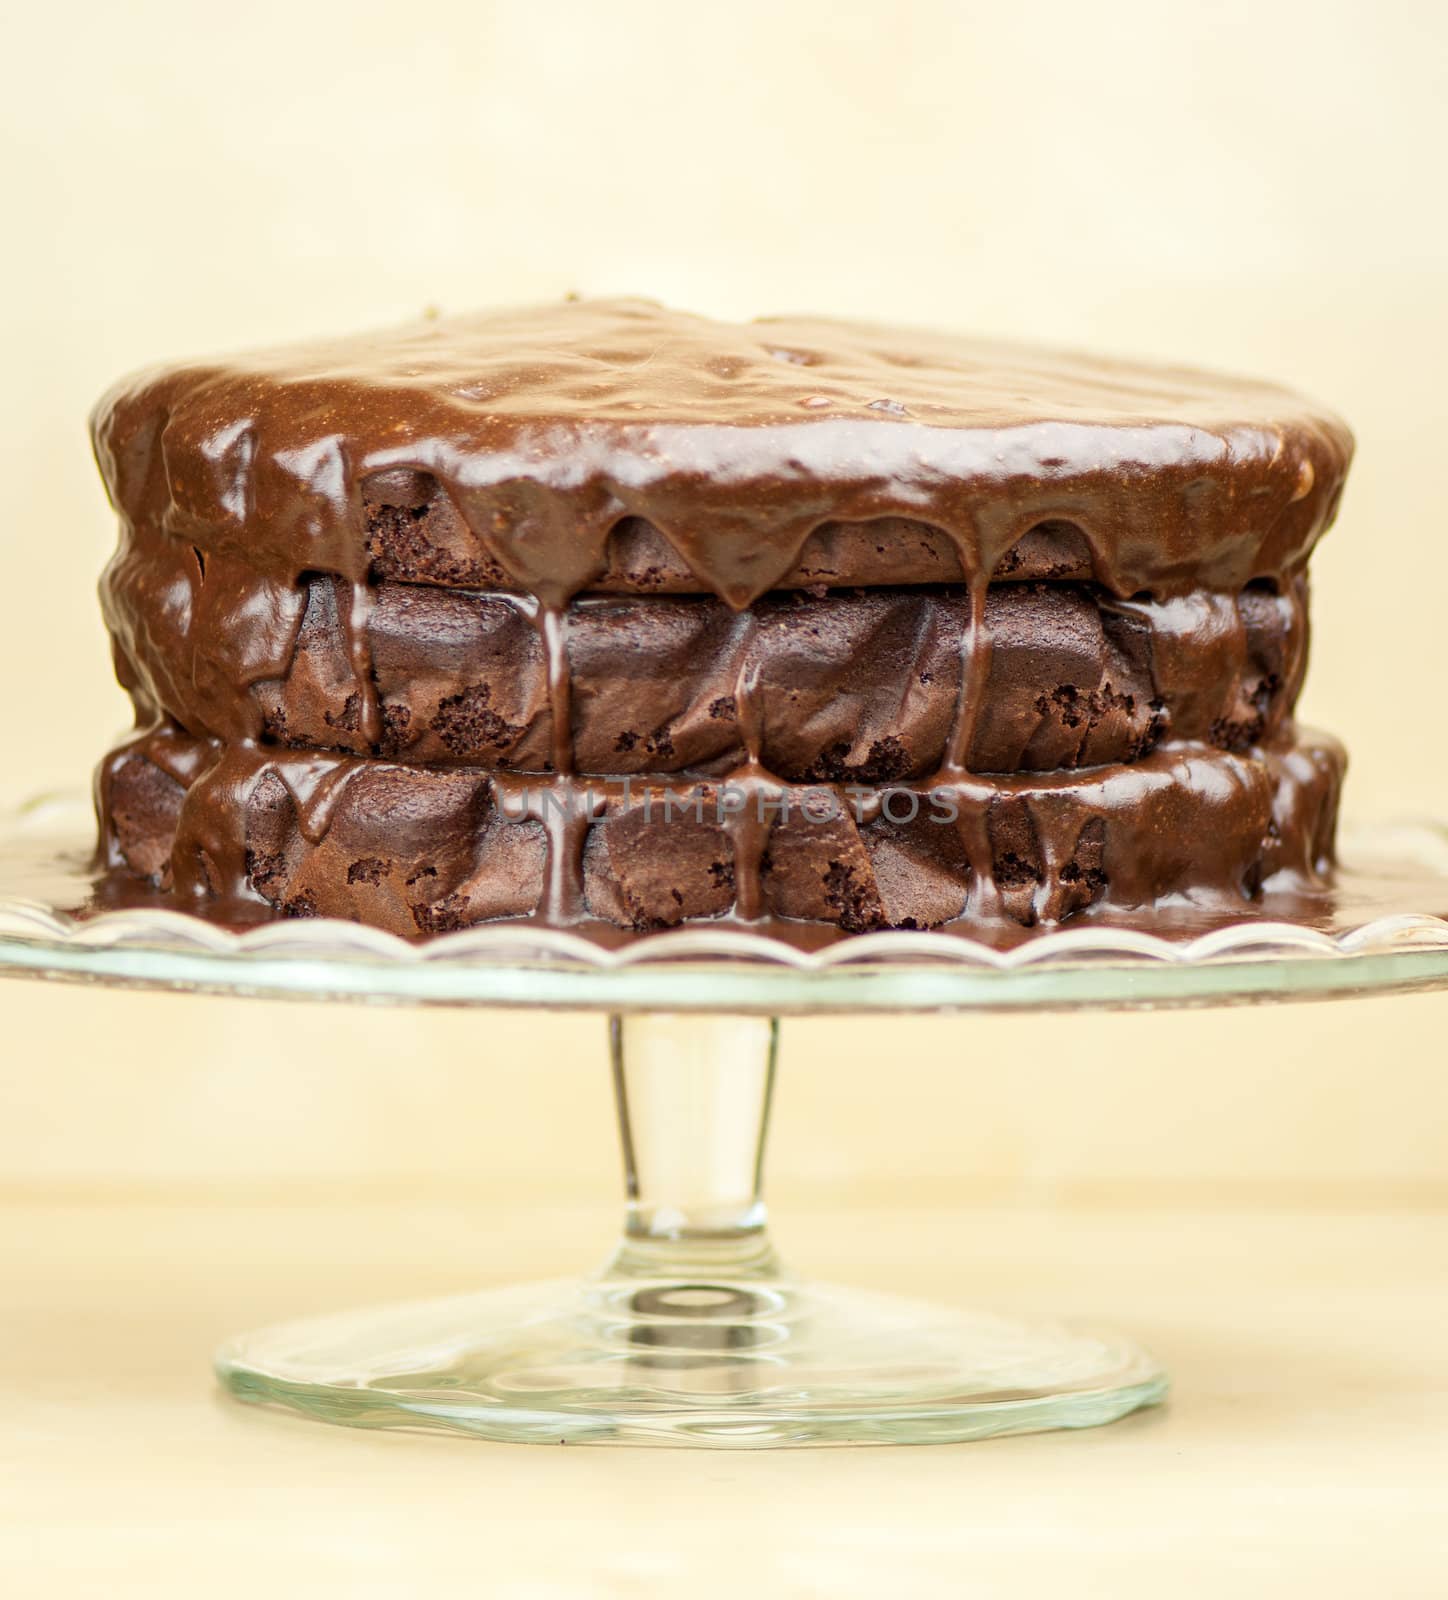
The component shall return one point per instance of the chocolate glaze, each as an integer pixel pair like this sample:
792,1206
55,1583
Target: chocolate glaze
550,427
424,850
857,685
267,500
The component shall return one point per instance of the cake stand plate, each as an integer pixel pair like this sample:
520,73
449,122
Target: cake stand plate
693,1333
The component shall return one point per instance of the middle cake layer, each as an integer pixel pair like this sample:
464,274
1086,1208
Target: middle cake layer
847,686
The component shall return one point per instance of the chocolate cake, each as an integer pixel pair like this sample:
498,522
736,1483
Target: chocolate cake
600,613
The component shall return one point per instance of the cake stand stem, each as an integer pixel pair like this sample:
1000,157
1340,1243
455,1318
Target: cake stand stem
693,1096
692,1333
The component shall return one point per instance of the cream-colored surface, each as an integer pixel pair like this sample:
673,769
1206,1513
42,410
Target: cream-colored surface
1246,185
1303,1453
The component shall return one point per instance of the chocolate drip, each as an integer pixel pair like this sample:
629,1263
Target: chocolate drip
560,686
974,666
984,902
755,792
548,428
565,811
354,617
316,787
309,833
208,858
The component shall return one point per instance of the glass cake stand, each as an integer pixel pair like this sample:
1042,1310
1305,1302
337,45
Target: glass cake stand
693,1332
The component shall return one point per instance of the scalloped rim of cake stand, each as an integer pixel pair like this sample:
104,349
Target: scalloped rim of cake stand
717,969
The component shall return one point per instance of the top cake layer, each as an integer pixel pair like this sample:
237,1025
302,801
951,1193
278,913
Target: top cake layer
563,444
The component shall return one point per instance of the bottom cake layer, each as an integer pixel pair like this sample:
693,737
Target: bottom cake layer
419,850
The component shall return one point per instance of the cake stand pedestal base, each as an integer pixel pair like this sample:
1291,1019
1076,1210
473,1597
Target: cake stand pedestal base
692,1334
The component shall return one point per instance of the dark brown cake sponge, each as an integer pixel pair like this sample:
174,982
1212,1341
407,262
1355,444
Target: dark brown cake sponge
417,850
852,686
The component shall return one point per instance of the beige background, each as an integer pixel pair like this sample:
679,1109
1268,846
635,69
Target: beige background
1248,185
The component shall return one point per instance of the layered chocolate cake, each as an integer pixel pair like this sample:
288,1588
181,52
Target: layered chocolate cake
600,613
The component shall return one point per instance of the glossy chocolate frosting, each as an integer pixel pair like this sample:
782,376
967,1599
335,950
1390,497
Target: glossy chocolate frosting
427,850
601,539
857,685
550,428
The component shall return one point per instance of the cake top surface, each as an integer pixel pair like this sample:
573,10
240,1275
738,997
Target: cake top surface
549,426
